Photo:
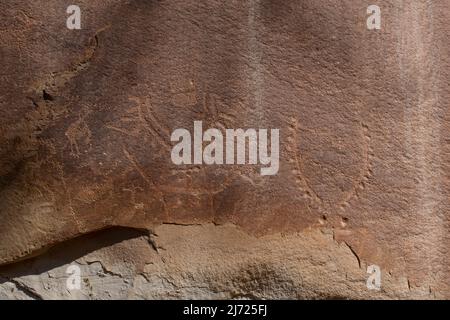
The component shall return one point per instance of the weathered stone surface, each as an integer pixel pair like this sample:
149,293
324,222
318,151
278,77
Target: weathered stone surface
86,118
203,262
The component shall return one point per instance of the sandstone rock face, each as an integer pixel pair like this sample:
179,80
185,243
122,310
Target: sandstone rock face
86,120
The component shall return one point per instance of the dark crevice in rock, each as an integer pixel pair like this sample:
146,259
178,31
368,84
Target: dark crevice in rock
35,104
22,288
47,96
354,253
104,269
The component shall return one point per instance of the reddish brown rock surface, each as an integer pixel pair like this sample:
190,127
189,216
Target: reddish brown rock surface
86,118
